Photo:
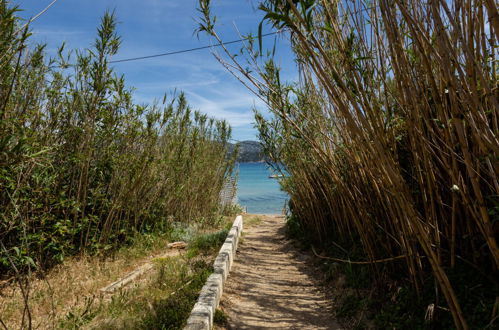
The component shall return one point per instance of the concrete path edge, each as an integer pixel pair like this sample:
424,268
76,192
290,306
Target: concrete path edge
201,317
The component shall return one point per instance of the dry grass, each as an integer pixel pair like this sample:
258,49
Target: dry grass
69,287
251,220
140,306
70,296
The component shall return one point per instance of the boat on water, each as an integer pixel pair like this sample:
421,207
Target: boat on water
276,176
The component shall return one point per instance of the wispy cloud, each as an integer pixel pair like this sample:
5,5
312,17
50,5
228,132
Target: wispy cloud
236,107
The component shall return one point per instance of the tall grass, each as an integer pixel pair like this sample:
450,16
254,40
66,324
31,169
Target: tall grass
390,136
81,166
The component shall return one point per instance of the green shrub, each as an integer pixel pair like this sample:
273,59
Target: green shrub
84,168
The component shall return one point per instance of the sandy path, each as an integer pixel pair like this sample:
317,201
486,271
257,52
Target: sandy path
270,285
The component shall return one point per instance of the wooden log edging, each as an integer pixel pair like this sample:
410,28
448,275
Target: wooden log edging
202,314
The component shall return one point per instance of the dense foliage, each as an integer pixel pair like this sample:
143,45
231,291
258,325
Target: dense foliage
81,166
391,140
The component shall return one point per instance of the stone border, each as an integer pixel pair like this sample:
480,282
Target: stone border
202,314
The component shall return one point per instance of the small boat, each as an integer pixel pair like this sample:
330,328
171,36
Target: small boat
276,176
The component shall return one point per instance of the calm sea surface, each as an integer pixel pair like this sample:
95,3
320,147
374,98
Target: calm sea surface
257,192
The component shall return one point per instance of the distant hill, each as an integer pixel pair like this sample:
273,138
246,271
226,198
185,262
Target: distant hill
249,151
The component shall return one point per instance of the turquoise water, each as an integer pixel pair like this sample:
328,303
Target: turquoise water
257,192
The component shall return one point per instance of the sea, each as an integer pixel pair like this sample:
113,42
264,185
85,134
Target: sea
257,192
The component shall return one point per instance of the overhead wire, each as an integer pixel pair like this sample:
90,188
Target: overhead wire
167,53
190,49
222,43
34,18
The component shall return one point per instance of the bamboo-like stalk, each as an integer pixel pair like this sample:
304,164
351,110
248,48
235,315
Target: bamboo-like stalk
390,137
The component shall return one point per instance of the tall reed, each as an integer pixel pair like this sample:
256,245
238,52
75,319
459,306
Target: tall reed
81,166
390,136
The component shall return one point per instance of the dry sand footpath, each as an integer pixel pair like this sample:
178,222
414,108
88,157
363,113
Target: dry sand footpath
271,285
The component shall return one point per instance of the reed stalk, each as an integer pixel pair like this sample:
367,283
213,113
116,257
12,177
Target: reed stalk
390,135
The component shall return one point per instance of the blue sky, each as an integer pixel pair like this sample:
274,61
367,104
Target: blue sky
158,26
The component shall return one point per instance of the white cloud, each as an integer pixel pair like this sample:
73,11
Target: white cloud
235,107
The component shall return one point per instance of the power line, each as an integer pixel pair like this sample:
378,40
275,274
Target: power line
190,50
224,43
34,18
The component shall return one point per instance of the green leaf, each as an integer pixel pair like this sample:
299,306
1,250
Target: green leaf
327,28
30,261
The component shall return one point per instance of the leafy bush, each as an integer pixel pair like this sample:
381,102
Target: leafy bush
84,168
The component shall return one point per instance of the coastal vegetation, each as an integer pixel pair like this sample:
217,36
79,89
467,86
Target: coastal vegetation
389,143
85,171
81,166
